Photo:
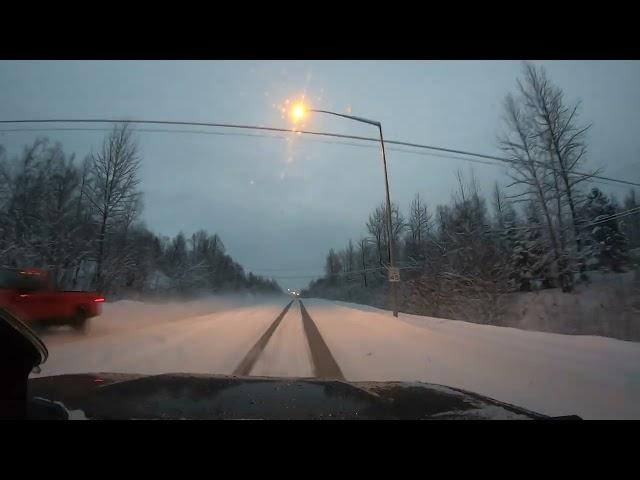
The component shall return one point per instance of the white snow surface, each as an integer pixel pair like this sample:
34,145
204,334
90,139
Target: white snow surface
131,338
605,304
287,354
553,374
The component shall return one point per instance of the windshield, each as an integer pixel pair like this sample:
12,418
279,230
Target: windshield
21,280
474,224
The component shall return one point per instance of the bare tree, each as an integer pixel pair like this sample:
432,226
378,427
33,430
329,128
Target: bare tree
113,191
349,259
499,206
363,253
63,238
55,215
376,225
332,266
528,170
398,225
378,228
419,224
39,224
83,218
467,273
556,127
505,220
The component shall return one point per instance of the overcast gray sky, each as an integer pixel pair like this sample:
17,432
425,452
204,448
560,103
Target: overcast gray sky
280,203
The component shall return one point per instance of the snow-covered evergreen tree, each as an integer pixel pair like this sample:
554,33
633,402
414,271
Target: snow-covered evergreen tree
607,242
530,258
631,223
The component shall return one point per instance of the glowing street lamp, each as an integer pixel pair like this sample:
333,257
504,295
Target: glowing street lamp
298,112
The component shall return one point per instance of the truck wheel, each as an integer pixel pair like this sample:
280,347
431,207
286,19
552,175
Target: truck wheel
80,322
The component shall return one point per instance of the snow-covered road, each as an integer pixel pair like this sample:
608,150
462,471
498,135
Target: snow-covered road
594,377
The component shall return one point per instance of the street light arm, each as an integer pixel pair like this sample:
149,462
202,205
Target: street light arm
357,119
388,197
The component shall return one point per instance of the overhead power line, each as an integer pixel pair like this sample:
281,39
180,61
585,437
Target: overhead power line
277,136
306,132
467,154
608,218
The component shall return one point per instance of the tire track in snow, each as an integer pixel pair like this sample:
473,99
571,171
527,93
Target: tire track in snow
246,365
324,365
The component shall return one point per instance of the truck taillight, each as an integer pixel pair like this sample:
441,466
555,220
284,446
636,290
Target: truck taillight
98,300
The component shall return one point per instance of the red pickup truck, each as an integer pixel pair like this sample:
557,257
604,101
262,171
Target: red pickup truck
28,294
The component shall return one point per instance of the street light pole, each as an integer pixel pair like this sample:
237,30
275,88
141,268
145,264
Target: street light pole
388,196
394,287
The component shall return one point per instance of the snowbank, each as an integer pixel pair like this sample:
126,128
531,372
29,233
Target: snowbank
609,305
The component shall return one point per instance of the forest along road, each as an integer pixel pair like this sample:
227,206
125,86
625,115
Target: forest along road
554,374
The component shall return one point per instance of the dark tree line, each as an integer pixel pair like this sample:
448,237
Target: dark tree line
545,229
459,260
81,221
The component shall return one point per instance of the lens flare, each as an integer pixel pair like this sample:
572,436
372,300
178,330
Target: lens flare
297,112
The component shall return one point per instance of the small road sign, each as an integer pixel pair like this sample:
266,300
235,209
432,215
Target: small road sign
394,274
